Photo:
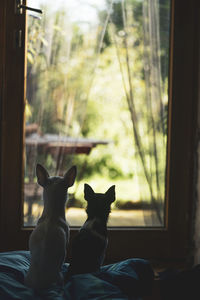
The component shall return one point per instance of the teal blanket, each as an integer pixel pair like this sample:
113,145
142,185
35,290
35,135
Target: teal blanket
128,279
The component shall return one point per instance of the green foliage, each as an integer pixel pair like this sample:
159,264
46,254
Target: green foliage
83,84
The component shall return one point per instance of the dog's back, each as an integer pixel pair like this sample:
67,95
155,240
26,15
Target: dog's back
48,249
88,249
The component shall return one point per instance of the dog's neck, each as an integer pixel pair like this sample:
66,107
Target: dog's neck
97,221
102,217
54,208
96,225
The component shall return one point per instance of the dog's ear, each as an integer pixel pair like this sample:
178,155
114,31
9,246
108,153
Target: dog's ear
42,175
110,194
88,192
70,176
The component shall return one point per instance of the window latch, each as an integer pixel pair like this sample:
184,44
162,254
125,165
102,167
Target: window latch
18,39
20,7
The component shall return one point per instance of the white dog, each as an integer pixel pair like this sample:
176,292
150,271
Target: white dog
48,240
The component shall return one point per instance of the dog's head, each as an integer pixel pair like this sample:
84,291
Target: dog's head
55,187
98,204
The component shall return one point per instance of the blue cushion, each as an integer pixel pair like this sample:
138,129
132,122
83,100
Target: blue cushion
129,278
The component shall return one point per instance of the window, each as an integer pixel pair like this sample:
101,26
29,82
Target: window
164,242
97,97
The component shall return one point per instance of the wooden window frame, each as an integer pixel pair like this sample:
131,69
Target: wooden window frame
172,242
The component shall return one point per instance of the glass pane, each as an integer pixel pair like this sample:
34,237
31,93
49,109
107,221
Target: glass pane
97,97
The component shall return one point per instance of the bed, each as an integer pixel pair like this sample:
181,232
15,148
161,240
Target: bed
127,279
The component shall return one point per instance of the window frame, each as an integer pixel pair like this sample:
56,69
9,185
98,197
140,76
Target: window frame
171,242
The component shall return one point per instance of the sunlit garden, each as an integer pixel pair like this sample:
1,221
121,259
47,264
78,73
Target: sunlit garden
98,71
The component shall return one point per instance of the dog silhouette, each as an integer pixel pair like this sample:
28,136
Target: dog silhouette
49,239
89,245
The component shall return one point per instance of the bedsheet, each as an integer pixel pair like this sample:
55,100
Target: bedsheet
127,279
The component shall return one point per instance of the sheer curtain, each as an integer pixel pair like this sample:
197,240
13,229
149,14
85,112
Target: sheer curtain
97,72
148,115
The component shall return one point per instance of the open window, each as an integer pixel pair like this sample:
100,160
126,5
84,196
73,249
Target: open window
103,86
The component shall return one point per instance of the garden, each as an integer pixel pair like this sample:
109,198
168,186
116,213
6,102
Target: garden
98,70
